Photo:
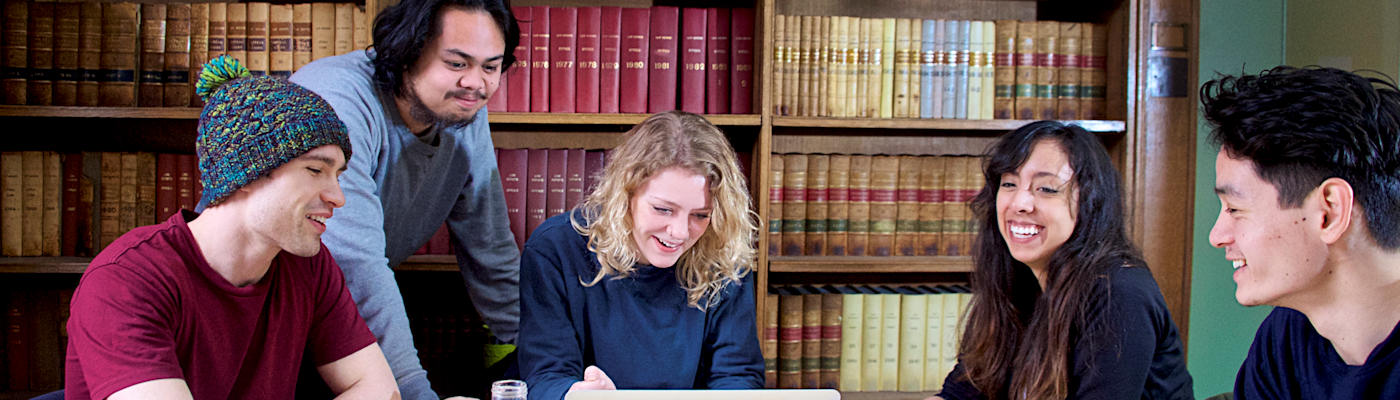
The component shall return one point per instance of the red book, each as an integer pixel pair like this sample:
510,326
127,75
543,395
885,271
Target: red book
693,55
518,88
72,181
636,41
539,59
423,250
664,60
563,86
497,102
558,184
609,59
592,169
167,197
17,340
574,169
513,164
535,187
717,61
741,61
589,51
186,182
441,241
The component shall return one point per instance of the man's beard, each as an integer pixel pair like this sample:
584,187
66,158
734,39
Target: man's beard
423,114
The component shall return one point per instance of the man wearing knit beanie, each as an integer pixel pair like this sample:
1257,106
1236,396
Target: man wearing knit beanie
227,303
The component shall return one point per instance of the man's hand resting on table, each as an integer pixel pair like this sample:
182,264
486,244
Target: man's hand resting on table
593,379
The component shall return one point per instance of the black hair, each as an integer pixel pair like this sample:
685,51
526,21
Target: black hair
402,30
1018,333
1301,126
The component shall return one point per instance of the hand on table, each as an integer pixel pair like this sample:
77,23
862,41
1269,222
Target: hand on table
593,379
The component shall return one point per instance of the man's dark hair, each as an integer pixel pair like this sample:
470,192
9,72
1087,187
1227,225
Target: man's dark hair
1301,126
402,30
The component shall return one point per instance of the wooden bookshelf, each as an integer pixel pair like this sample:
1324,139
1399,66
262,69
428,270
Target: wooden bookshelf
76,265
495,118
886,395
932,124
869,264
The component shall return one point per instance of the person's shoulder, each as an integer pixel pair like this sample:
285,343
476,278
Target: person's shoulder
556,229
144,248
338,72
1284,321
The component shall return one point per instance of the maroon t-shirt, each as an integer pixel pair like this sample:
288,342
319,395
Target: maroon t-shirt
149,307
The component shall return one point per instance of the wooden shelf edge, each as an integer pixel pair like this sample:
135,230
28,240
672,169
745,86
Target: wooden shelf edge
433,263
101,112
76,265
870,264
886,395
610,119
1102,126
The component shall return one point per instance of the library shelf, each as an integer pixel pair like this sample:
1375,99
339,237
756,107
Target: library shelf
870,264
1103,126
524,118
76,265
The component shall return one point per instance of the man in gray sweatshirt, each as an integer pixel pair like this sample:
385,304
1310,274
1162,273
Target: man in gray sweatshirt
415,109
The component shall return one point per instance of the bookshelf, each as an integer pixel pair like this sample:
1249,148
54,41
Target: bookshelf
1149,131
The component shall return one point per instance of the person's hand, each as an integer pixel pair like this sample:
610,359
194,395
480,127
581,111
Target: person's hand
593,379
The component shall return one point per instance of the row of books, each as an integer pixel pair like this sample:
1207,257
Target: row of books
149,54
35,338
837,66
861,337
575,60
880,205
74,204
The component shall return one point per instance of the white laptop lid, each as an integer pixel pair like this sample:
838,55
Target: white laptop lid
758,394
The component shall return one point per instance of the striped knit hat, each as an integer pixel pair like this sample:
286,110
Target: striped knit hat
252,125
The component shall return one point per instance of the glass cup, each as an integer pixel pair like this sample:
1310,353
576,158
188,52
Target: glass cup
509,389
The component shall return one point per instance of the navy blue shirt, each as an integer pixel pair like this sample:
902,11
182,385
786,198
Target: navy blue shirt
1143,360
1290,360
638,329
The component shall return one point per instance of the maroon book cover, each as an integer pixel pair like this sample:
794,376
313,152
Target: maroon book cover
557,185
539,59
609,58
535,188
517,78
72,178
589,52
664,60
563,86
693,58
498,102
440,241
741,61
513,165
167,196
636,41
186,182
717,61
17,342
573,174
592,169
423,250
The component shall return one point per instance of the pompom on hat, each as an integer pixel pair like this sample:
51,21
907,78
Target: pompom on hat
253,124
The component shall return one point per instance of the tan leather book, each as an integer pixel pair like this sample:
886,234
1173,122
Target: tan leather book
301,35
933,170
32,203
14,57
884,178
344,27
838,189
906,225
39,82
199,49
858,233
1047,77
794,204
11,204
236,31
177,55
259,60
1070,65
775,204
322,30
363,24
279,40
66,71
151,79
52,190
89,53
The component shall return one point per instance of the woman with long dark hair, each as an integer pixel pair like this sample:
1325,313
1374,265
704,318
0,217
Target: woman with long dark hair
1064,305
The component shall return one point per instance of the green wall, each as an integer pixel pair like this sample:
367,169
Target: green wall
1235,36
1362,34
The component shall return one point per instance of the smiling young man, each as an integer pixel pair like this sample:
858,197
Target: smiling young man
1308,176
415,109
228,303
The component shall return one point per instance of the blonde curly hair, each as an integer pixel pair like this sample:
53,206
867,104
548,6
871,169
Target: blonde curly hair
723,254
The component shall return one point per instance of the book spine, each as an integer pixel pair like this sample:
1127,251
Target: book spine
322,29
874,68
87,228
694,24
236,30
89,53
609,60
167,198
513,165
830,360
854,98
974,69
344,28
590,43
361,39
811,339
145,189
32,203
539,59
1025,89
962,69
301,35
974,182
175,77
52,226
717,76
127,192
884,174
806,44
14,69
218,29
573,175
775,204
948,67
279,41
536,187
557,185
258,29
906,231
927,56
871,339
838,188
741,53
151,82
1095,91
66,70
887,68
790,341
636,46
186,182
39,83
821,57
17,342
1004,103
818,170
933,340
838,48
663,63
916,37
563,73
852,306
11,204
911,341
901,61
199,50
592,167
517,78
858,235
949,329
1047,75
988,96
770,341
109,200
72,179
1069,65
889,341
784,54
794,204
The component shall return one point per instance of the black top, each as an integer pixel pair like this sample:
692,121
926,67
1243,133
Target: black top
1290,360
1143,361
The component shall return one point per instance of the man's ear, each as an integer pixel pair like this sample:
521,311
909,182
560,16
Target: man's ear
1336,200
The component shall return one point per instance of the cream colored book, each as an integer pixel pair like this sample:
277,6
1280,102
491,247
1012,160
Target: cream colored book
852,318
889,340
913,308
887,41
974,70
870,342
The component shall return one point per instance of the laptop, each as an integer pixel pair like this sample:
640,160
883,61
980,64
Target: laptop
756,394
